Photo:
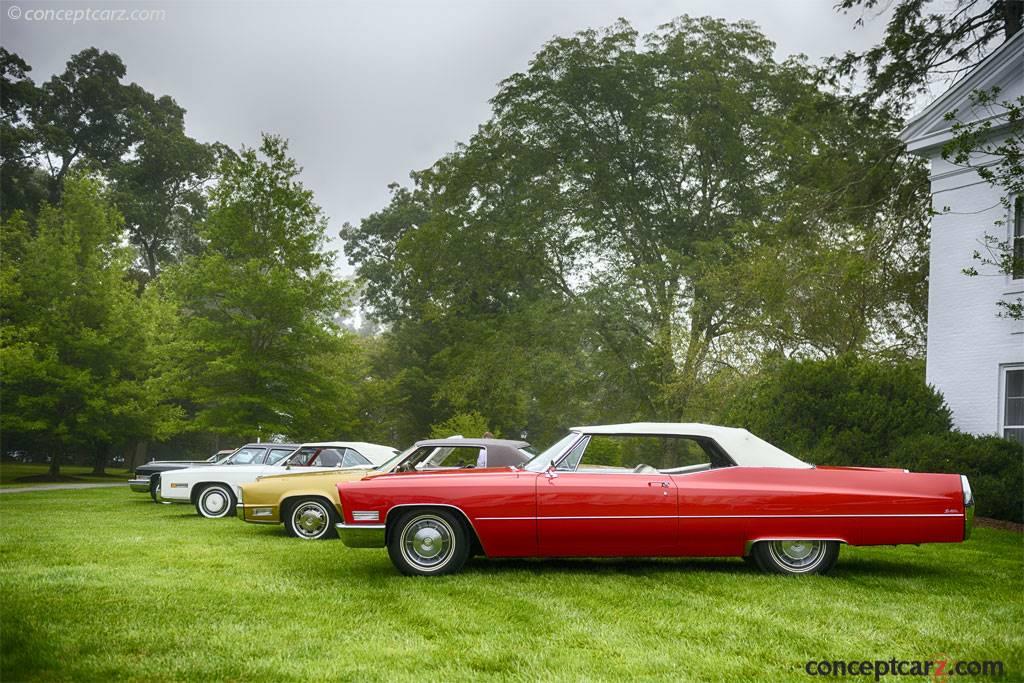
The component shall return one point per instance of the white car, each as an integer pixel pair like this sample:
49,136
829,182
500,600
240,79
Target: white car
214,490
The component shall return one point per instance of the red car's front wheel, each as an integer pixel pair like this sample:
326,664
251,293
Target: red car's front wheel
428,543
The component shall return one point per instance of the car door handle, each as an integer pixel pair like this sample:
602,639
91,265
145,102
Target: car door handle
663,484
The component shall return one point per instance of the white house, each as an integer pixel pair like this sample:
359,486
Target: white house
974,358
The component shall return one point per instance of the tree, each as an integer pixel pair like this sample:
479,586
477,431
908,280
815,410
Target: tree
992,144
86,114
160,187
925,40
20,185
622,206
74,335
255,352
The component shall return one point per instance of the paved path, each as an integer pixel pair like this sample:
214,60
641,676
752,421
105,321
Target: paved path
57,487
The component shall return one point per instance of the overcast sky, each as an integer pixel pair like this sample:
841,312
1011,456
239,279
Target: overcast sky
365,90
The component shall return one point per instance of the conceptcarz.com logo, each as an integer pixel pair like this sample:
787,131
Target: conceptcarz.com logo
939,669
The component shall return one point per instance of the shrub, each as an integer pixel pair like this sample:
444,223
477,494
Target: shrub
994,466
843,411
470,425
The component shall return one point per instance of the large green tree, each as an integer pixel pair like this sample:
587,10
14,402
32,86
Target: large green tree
255,351
74,334
632,207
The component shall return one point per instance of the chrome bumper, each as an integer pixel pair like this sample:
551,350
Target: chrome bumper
361,535
139,485
965,486
240,511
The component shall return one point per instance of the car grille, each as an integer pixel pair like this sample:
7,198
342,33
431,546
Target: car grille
140,475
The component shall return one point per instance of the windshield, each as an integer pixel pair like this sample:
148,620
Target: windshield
245,456
390,464
545,459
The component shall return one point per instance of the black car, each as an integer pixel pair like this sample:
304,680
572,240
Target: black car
147,477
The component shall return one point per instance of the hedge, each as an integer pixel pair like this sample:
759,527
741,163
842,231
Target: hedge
858,412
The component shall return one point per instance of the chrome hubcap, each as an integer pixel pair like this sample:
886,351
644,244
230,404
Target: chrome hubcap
310,520
798,555
427,542
215,501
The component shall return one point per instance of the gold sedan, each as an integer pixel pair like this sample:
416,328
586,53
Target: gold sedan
307,502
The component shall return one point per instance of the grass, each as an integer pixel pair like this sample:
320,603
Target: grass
25,474
101,584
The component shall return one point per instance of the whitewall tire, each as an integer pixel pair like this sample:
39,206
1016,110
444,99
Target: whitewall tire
798,556
428,542
311,519
215,501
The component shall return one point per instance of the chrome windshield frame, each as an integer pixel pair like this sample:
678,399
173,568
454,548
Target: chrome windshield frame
544,461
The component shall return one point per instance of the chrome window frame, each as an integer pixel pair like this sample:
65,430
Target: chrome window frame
558,461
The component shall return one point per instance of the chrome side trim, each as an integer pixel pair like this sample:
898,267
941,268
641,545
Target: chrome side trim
942,514
361,535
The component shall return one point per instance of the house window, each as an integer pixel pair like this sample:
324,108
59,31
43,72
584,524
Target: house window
1017,267
1013,404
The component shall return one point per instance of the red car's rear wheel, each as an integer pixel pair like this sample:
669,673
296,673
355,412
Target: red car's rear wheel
798,556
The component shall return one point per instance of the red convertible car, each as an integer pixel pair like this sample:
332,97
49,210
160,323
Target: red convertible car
647,490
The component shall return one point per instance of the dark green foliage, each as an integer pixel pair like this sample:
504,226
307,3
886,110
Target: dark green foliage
22,184
843,411
86,114
160,189
994,466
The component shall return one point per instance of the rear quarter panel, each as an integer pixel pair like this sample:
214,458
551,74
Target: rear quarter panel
723,510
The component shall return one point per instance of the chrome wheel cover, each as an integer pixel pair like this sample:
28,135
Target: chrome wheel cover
215,502
798,556
427,542
310,520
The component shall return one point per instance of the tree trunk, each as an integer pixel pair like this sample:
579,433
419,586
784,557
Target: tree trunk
136,455
55,458
100,454
1013,15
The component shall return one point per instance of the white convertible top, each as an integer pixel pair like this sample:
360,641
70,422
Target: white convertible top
744,448
373,452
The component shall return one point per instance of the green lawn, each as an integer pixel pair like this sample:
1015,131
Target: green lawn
12,473
102,584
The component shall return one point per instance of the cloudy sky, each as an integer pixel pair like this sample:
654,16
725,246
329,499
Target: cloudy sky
366,90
